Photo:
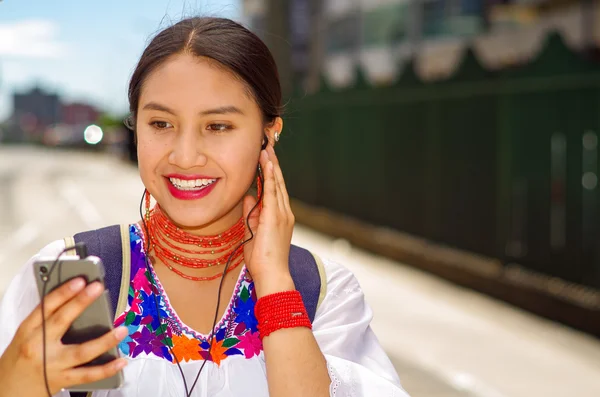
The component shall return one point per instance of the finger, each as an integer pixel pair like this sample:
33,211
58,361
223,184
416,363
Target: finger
263,160
280,199
61,319
76,355
269,188
81,375
53,301
280,179
272,156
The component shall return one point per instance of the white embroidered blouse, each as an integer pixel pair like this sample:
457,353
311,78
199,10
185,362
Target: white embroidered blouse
358,366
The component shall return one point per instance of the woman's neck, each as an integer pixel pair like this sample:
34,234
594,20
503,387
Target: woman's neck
213,229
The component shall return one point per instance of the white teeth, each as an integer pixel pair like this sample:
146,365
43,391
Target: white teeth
191,184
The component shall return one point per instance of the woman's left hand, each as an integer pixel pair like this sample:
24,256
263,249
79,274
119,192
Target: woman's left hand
267,254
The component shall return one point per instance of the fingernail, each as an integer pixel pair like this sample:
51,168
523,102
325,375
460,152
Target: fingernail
77,284
94,289
121,332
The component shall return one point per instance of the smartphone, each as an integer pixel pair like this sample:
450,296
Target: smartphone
94,322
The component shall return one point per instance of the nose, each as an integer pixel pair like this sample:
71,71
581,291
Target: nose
188,150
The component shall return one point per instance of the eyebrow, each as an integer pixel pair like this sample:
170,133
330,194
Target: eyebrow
157,106
219,110
222,110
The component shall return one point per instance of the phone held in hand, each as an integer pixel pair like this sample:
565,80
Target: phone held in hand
94,322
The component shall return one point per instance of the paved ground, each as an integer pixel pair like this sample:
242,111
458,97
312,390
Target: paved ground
445,341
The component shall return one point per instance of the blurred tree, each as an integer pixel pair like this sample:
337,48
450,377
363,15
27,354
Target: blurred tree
107,121
111,124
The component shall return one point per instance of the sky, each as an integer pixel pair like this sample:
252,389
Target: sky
85,50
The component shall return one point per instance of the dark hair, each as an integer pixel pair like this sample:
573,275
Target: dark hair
228,43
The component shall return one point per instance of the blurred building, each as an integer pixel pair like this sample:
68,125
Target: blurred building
76,117
311,38
41,117
286,27
33,112
79,114
255,13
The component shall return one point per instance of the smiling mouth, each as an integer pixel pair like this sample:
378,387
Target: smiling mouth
191,185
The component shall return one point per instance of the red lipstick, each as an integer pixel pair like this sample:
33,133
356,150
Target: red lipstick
189,194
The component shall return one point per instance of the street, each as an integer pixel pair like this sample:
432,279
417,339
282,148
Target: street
445,341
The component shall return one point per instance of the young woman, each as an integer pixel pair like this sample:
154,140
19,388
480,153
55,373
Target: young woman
205,105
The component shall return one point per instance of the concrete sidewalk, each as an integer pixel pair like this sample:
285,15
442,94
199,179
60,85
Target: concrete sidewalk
448,341
419,382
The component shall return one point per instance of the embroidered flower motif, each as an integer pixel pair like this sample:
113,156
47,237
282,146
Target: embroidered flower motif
127,343
134,299
251,344
244,309
186,349
138,257
147,342
235,335
217,352
135,303
148,306
141,282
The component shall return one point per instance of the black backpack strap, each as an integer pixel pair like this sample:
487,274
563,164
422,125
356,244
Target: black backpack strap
309,278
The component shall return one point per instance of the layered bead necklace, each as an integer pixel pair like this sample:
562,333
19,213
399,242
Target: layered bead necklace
173,245
161,231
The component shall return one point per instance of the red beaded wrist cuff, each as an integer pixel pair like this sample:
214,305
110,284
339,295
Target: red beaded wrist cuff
281,310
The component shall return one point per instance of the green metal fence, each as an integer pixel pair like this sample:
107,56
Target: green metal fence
500,163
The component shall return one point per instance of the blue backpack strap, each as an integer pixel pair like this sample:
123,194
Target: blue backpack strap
107,245
308,276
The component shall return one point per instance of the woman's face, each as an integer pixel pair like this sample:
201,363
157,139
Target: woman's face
199,135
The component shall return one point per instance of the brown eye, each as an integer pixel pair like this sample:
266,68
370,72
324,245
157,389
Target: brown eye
161,125
219,127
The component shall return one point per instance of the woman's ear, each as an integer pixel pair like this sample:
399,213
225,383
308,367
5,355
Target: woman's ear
129,123
274,130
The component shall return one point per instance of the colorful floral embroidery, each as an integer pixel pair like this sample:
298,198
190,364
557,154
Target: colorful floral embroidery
237,333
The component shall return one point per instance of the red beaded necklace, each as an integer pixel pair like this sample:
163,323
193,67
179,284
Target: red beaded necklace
164,234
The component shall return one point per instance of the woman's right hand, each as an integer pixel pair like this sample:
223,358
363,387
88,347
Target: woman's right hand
21,365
